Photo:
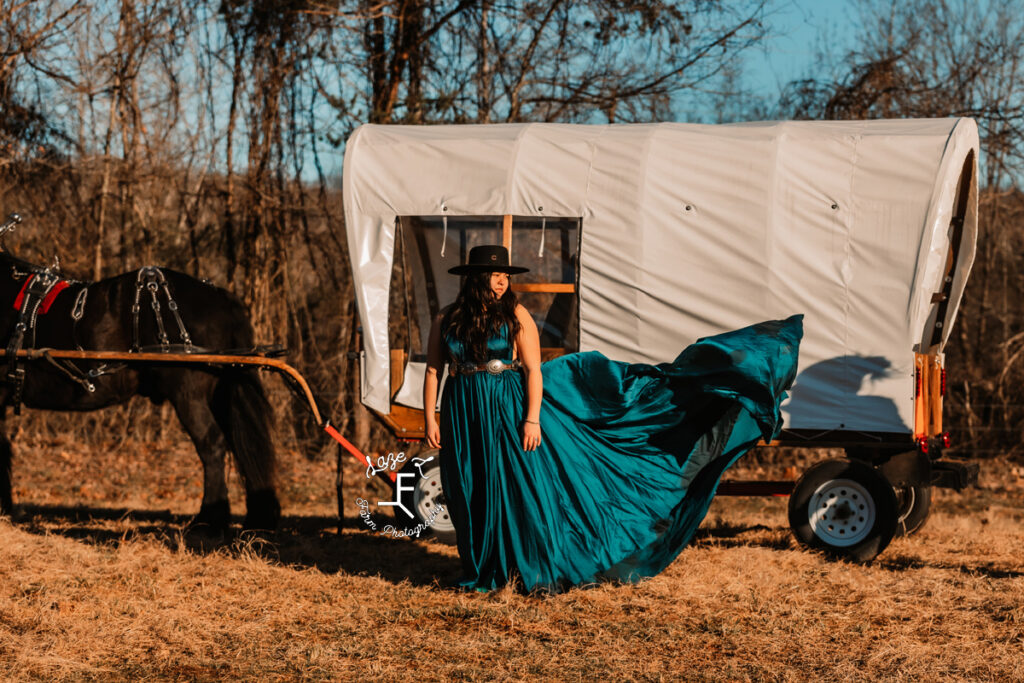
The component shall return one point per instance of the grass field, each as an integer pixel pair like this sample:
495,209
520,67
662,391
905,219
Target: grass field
98,582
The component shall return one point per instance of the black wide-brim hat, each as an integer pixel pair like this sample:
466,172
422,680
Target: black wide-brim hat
487,258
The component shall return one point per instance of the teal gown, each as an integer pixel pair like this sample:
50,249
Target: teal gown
631,455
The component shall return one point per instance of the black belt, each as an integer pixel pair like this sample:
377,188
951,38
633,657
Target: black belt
494,367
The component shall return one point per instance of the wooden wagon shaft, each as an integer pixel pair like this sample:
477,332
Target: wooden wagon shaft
181,358
206,359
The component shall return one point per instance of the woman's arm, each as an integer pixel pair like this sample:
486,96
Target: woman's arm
528,347
435,366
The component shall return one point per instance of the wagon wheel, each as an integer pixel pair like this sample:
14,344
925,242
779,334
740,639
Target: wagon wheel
845,508
424,500
913,503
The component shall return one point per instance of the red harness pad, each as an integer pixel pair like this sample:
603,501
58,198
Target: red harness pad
48,300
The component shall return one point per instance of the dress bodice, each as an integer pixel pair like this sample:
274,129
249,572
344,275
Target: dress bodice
498,346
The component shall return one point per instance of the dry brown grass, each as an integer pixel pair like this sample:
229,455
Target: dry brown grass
97,582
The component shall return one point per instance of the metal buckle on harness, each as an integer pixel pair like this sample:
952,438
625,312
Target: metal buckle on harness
16,380
16,377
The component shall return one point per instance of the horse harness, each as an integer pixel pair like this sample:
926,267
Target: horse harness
38,293
152,279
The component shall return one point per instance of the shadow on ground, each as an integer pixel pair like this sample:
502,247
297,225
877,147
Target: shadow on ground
304,542
315,542
989,571
727,535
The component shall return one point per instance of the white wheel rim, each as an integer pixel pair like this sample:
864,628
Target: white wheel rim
427,496
841,512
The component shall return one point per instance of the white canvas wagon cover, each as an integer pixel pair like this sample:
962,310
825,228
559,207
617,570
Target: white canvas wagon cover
689,230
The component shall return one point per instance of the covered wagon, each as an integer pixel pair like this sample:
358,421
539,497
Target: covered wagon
643,238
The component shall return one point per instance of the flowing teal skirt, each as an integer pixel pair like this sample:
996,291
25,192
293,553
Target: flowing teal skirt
631,457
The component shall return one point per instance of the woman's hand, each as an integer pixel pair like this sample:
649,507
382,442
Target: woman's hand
433,434
531,436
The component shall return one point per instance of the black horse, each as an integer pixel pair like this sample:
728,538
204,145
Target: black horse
220,408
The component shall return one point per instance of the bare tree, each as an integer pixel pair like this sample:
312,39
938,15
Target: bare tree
552,60
207,136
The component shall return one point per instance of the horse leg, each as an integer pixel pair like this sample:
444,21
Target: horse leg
6,499
245,417
200,424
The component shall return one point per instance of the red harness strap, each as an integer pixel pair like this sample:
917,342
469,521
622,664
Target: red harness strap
47,301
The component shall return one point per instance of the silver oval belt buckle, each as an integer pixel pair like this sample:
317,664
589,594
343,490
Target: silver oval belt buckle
495,366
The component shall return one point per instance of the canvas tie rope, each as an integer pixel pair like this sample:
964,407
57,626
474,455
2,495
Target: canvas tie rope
543,224
444,234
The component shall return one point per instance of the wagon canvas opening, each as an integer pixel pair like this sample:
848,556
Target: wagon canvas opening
427,246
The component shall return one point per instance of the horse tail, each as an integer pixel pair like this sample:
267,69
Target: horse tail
247,423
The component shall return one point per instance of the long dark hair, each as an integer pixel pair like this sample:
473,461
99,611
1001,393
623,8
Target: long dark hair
477,316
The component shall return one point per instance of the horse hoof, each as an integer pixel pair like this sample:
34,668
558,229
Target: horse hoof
213,518
263,511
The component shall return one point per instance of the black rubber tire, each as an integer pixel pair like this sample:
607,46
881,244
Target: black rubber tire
426,494
827,479
913,504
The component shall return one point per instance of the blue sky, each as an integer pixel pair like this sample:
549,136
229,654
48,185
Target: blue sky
799,27
799,31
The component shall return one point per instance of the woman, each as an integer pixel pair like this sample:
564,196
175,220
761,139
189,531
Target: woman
585,469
